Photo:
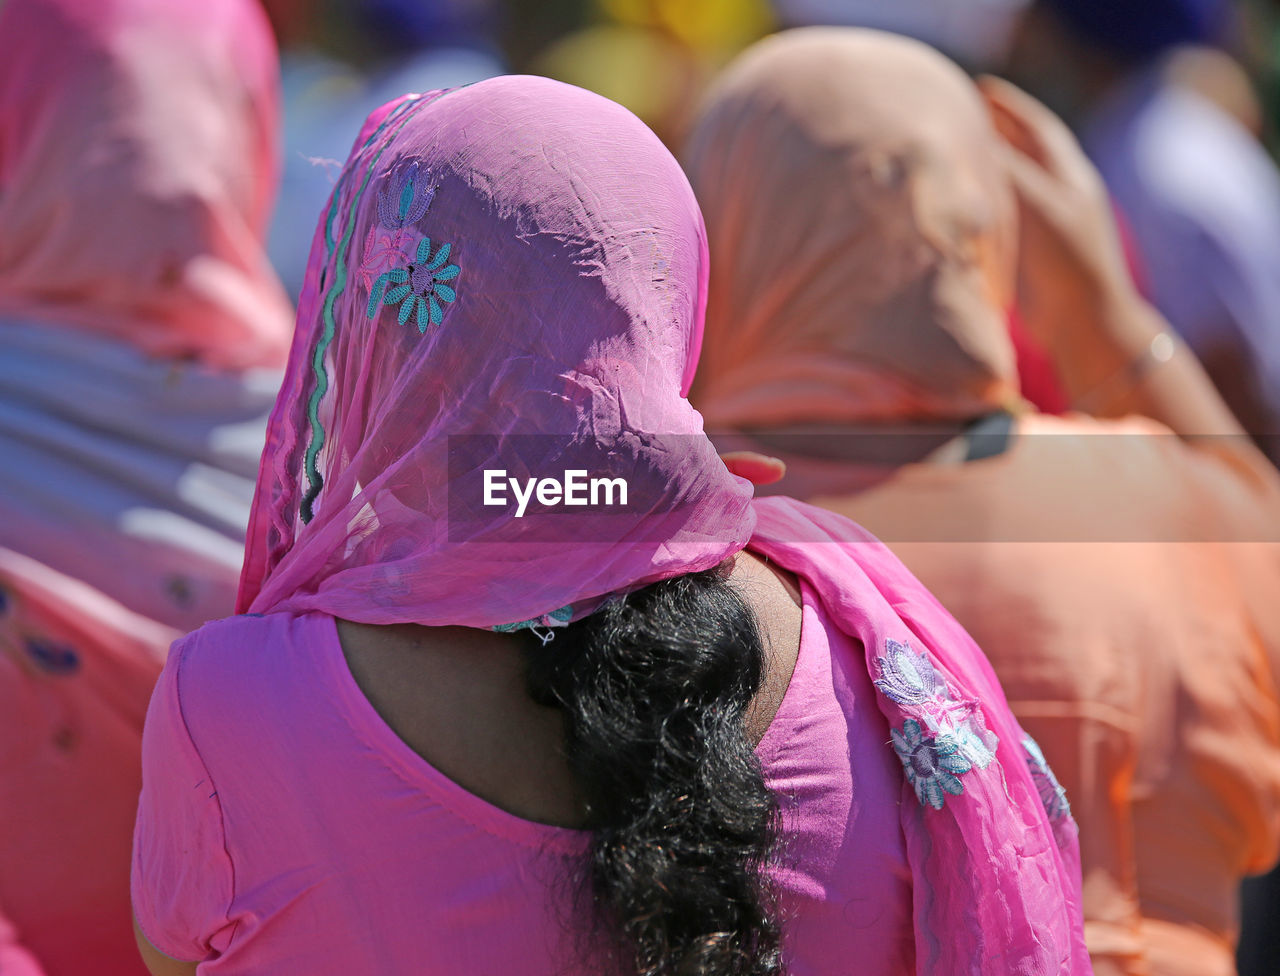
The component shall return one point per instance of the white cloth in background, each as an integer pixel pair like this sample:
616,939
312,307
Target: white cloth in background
132,474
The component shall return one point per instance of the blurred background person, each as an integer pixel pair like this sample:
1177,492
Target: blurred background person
1175,136
653,56
1120,573
76,673
142,330
142,333
341,59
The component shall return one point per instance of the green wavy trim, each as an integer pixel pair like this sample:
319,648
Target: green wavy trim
338,284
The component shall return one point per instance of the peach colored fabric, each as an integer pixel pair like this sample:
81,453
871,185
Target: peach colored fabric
805,186
1123,587
1122,581
76,671
138,155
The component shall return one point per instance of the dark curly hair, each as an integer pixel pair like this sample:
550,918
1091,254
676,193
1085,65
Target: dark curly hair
655,689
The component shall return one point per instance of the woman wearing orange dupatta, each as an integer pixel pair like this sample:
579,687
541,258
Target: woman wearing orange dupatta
862,221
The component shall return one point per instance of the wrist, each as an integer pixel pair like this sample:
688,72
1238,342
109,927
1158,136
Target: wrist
1106,335
1118,387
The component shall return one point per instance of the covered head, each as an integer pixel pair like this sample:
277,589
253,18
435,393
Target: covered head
863,236
510,277
138,155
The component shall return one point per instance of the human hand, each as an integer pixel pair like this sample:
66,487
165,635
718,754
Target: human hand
759,469
1072,272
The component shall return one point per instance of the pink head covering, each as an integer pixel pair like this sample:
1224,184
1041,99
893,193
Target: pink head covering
510,276
861,230
137,166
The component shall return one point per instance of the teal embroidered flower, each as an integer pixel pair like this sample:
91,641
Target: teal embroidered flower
933,765
556,618
418,289
1052,795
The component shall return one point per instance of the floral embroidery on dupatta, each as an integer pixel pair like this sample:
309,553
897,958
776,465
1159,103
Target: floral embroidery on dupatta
418,288
402,201
944,737
333,282
1052,795
398,267
556,618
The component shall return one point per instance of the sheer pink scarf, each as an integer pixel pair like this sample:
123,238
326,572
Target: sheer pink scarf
510,277
513,274
138,158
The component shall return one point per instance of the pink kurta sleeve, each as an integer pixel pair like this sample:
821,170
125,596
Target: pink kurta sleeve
182,881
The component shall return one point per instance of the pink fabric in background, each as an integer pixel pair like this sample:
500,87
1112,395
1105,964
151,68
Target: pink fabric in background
1037,374
15,960
1038,378
76,670
138,155
138,160
137,168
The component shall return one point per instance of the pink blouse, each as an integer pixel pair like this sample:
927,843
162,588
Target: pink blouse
285,828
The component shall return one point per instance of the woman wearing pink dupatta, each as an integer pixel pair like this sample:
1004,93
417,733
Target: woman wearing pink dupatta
460,732
141,333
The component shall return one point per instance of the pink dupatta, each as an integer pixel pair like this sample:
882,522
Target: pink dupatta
994,852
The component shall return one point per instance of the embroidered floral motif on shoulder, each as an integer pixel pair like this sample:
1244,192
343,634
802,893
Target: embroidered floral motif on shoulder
1052,795
945,737
933,764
